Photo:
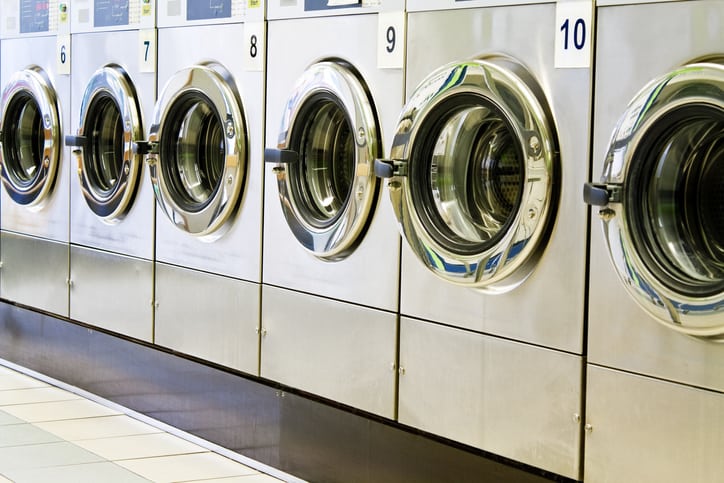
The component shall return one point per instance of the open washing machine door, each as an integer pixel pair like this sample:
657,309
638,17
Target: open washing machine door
107,143
474,173
662,199
324,163
30,134
198,150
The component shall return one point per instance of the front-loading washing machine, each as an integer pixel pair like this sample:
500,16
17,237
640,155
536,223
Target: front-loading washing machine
34,162
206,166
331,247
112,206
483,174
655,374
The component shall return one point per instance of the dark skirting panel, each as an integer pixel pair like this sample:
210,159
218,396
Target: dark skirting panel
297,433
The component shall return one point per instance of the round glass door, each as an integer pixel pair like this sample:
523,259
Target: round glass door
474,172
199,150
662,199
110,127
30,136
328,142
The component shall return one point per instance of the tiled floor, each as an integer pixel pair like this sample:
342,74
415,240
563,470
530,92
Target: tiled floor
49,434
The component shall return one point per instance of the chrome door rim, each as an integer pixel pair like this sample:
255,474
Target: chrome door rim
211,85
110,85
336,82
696,84
31,88
497,81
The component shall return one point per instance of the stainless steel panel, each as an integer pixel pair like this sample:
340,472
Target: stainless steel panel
280,9
132,236
646,430
369,275
512,399
52,221
548,308
211,317
34,272
620,333
112,291
337,350
238,252
422,5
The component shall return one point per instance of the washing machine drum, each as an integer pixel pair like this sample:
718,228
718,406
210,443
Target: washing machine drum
474,173
199,150
662,199
31,137
109,133
324,163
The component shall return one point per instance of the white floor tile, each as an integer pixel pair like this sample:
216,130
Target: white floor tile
43,456
22,434
186,467
105,472
6,419
140,446
35,395
55,411
19,381
94,428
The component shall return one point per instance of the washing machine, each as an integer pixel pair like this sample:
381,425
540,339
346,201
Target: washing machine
655,378
483,175
34,162
331,247
112,206
206,163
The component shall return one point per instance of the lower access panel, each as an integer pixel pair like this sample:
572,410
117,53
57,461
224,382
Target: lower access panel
334,349
516,400
211,317
34,272
643,429
112,291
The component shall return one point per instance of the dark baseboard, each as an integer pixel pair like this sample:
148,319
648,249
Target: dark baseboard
297,433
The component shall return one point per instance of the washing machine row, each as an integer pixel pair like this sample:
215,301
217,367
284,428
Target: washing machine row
472,325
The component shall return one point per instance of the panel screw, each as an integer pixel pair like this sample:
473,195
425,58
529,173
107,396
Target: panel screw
230,179
576,418
588,428
361,135
607,214
230,131
402,371
534,145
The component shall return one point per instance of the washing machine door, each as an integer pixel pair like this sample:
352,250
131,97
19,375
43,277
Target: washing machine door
474,173
199,150
30,134
324,163
110,128
661,199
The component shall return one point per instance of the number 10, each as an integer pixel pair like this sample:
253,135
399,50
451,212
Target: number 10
579,34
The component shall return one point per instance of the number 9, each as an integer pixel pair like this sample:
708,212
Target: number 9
391,39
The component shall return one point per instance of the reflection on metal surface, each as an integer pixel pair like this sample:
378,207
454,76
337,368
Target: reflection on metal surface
199,150
665,158
31,139
474,173
328,193
109,165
